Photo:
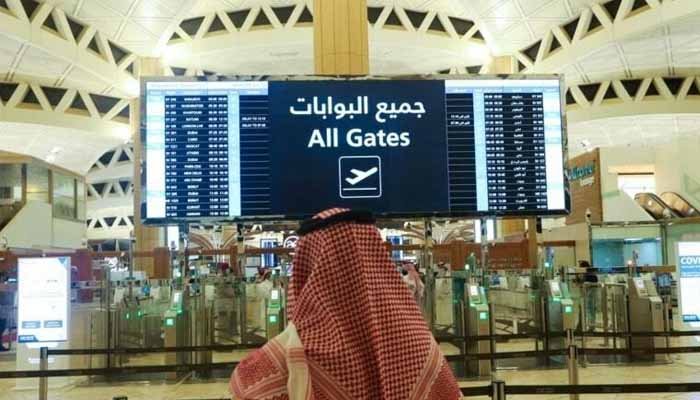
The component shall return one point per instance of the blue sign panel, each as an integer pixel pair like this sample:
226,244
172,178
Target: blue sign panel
289,148
689,282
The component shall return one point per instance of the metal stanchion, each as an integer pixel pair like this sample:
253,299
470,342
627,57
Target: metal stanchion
492,341
583,336
667,322
572,362
498,390
465,332
545,328
44,366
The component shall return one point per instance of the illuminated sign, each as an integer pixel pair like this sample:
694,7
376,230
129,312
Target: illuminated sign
689,281
44,299
288,148
577,173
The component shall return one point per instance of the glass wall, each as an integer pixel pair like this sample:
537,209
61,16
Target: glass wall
680,233
64,201
10,184
37,183
636,183
616,246
80,200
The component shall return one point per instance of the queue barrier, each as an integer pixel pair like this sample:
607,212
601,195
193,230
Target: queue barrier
122,351
145,369
497,390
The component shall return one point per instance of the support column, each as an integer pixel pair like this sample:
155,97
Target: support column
147,238
503,65
341,45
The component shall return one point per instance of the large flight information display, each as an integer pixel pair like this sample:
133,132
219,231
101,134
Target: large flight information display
285,149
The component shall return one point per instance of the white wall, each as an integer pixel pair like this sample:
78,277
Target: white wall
31,227
617,205
577,232
35,228
678,169
68,234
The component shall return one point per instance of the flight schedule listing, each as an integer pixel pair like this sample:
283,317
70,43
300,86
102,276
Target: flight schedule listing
196,156
289,148
515,151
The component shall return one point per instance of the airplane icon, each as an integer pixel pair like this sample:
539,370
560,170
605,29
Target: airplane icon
360,175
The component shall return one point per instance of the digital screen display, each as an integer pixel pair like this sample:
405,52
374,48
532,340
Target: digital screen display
555,288
473,290
688,256
44,297
290,148
177,299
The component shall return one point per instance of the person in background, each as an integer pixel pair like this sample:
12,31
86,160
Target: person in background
6,299
223,268
260,294
592,294
414,282
350,339
444,313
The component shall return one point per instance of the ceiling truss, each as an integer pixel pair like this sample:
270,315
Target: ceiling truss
632,97
31,103
600,25
47,27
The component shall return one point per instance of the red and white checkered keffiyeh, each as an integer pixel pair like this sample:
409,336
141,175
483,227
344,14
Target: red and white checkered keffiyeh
362,334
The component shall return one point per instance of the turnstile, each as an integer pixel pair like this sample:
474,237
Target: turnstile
559,314
560,307
478,322
646,314
274,319
174,329
188,322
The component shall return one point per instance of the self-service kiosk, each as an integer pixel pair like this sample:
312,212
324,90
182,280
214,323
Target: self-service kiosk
646,314
560,307
274,316
478,325
560,315
174,328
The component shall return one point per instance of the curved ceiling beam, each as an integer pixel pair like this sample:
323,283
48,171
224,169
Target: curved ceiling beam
598,26
206,36
110,194
47,27
31,103
632,97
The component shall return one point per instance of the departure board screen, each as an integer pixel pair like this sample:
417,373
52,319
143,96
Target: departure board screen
288,148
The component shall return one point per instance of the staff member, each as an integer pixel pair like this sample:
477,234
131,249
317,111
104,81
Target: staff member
350,339
592,294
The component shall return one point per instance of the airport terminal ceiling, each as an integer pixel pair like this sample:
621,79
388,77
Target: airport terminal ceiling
70,66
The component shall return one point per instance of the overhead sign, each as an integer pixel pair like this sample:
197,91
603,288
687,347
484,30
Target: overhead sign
290,148
689,281
44,299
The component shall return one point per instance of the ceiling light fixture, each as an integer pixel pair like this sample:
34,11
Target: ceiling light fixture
480,52
133,87
123,133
